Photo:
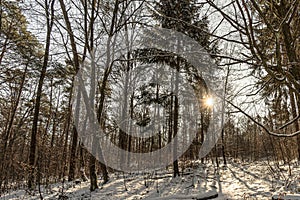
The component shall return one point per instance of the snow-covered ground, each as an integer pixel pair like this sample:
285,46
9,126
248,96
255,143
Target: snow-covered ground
256,180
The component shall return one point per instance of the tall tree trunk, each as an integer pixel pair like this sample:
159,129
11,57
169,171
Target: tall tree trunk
82,163
223,113
170,120
50,151
202,121
123,139
130,128
296,123
108,68
72,164
33,141
93,174
99,112
123,121
176,117
66,131
76,65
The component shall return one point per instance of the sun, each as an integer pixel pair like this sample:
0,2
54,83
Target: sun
209,101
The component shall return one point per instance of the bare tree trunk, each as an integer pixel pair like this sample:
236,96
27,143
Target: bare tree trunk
170,120
93,175
33,141
202,134
50,151
76,65
223,147
130,129
223,112
66,134
107,72
72,166
176,117
123,121
100,110
296,124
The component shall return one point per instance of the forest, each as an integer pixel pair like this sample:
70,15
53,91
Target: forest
149,99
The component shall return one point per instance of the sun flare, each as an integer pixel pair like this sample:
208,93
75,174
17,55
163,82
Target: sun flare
209,101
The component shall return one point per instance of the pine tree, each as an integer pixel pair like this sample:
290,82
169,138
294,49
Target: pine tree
184,17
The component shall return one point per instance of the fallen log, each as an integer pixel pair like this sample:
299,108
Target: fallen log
205,196
286,197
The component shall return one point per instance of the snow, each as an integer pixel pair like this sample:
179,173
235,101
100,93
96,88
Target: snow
237,180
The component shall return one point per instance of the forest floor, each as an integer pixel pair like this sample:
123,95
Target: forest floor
238,180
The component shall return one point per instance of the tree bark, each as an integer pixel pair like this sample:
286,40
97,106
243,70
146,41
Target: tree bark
296,124
176,117
76,65
33,141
